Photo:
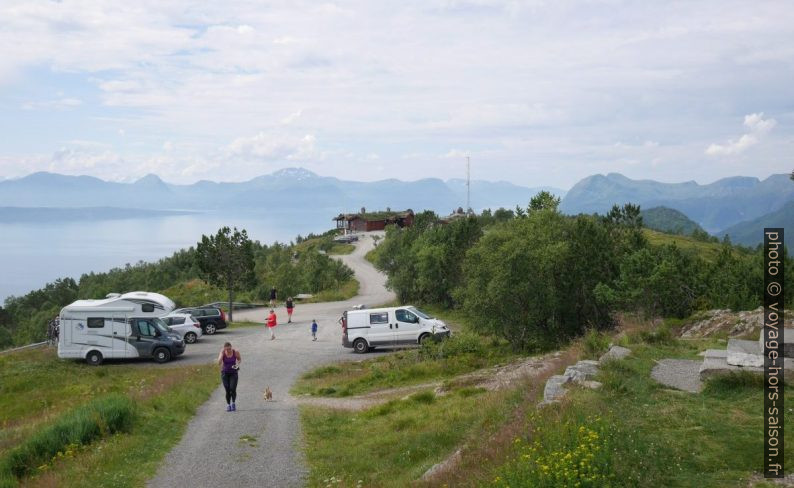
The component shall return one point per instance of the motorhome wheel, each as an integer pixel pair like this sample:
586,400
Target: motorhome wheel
94,358
162,355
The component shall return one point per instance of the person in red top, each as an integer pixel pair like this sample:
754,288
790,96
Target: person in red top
271,324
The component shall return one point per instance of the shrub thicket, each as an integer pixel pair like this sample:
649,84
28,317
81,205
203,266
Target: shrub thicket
537,277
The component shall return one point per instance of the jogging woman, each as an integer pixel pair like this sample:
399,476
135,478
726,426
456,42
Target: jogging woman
229,360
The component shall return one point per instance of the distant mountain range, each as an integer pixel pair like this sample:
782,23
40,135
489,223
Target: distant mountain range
286,189
715,206
718,207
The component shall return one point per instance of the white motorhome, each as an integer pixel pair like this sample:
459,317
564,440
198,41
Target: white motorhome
119,326
389,327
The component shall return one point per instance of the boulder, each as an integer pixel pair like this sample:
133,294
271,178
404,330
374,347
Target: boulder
681,374
745,353
788,342
555,388
582,371
615,352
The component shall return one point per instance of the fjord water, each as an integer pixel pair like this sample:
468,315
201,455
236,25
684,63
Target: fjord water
35,253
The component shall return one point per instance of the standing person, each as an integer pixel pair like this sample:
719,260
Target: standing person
271,324
290,306
273,297
314,330
229,360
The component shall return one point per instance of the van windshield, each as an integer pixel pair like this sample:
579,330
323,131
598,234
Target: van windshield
420,313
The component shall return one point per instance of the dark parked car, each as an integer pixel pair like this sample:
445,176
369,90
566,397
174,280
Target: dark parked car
210,318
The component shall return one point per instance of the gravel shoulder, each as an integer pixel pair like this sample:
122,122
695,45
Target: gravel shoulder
259,445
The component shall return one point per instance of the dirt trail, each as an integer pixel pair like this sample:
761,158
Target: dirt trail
258,445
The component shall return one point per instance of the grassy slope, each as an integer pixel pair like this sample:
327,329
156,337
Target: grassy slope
36,388
706,250
409,366
649,435
637,432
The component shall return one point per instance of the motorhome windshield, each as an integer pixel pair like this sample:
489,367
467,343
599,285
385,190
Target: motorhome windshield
160,325
420,313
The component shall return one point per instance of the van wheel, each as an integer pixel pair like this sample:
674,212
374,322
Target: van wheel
210,328
191,338
424,339
94,358
360,346
162,355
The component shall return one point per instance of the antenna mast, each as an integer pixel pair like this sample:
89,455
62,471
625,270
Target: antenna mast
468,184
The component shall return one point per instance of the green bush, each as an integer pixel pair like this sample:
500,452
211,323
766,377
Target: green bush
659,335
100,417
595,344
456,345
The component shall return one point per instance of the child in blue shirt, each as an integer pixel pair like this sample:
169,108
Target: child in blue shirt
314,330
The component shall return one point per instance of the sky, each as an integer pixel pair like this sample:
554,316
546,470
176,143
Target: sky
534,92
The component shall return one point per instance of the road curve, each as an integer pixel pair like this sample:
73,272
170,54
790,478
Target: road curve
259,445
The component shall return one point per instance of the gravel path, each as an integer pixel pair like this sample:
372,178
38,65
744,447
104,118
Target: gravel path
682,374
259,445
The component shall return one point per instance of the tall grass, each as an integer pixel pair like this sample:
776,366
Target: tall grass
78,427
645,434
393,444
462,353
67,424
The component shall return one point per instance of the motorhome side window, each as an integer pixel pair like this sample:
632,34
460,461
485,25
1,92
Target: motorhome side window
406,316
95,322
147,307
379,318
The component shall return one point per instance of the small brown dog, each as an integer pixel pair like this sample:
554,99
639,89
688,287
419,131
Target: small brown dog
268,394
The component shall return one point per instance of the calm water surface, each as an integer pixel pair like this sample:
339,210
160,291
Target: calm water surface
33,254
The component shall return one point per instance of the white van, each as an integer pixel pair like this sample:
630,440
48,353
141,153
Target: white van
119,326
389,327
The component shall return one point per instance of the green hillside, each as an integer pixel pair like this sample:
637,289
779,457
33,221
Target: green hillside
705,250
666,219
751,232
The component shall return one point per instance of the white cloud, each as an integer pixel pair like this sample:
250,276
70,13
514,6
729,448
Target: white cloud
77,160
758,128
454,154
273,147
60,104
757,124
291,117
535,83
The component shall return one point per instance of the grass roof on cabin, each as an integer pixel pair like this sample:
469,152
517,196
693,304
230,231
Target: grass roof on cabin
373,215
